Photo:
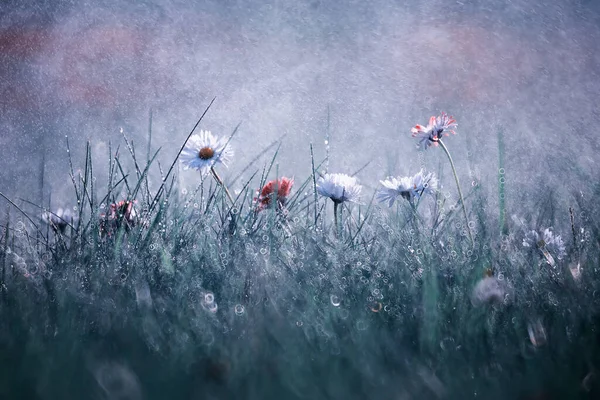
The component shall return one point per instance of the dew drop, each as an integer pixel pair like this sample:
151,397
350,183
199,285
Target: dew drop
335,301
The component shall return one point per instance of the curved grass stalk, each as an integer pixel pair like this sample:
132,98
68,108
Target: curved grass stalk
220,182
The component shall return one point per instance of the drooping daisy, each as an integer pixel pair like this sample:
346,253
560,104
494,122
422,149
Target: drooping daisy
277,188
410,188
545,241
120,214
437,127
489,290
60,220
432,135
203,151
339,188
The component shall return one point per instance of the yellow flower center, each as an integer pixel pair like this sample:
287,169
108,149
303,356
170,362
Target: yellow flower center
206,153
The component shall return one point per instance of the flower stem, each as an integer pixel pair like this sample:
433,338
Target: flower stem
220,182
462,201
335,218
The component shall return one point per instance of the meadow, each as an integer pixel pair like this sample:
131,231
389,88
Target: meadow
311,288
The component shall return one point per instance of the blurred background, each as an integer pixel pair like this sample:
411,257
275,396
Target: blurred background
364,71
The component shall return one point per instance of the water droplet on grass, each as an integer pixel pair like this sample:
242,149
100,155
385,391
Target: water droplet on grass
335,301
361,325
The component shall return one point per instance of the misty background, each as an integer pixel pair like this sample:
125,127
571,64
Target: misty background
86,69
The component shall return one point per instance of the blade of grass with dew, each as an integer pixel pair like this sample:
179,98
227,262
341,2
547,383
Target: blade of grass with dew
72,173
83,182
143,176
111,172
314,179
293,200
164,179
358,171
501,182
278,142
131,150
365,218
4,252
124,176
22,212
327,138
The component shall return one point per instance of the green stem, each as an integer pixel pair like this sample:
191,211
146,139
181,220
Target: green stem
220,182
462,202
501,191
335,218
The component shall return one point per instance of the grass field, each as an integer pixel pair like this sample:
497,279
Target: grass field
195,295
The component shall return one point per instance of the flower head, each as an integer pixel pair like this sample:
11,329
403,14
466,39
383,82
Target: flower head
119,214
437,127
339,188
277,188
489,290
60,220
545,241
203,151
409,187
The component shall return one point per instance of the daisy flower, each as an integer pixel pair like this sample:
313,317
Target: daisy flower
546,241
432,135
339,188
437,127
60,220
277,188
118,214
489,290
409,187
203,151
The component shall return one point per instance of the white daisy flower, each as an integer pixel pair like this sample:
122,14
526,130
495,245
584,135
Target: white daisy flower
339,188
203,151
409,187
59,220
489,290
546,241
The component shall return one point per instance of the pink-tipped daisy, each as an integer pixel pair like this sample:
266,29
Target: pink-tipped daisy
277,188
119,214
437,127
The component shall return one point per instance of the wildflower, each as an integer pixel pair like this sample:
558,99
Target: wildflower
120,214
409,187
277,188
203,151
432,134
575,269
548,243
489,290
438,126
339,188
537,333
60,220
